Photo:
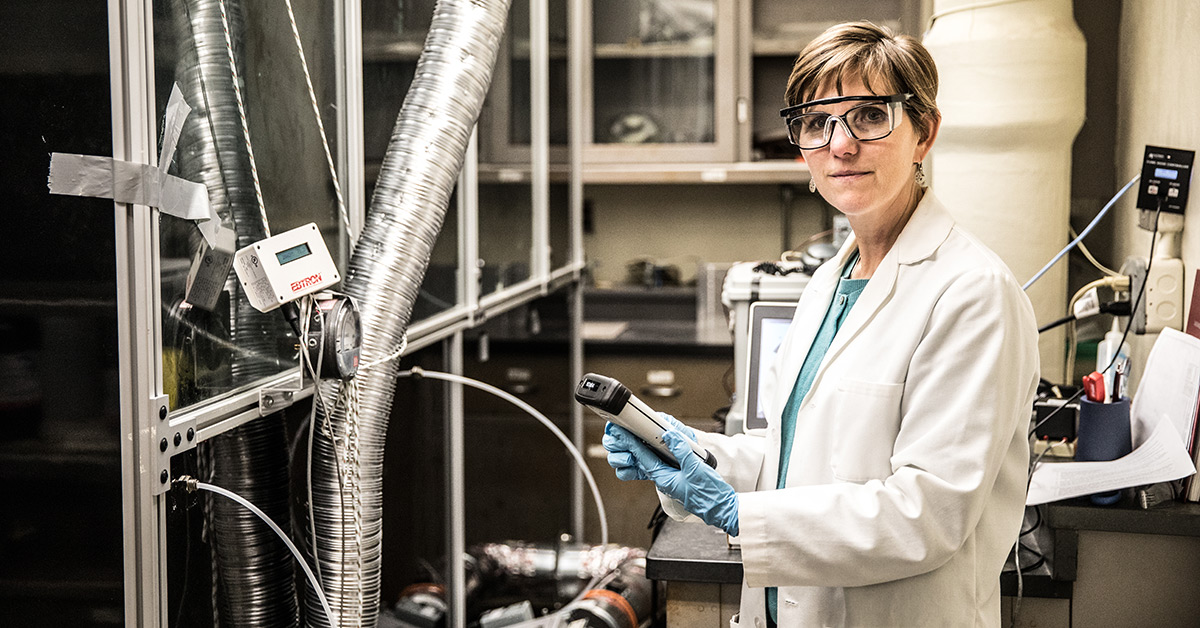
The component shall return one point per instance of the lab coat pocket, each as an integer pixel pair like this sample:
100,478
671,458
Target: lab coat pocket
867,421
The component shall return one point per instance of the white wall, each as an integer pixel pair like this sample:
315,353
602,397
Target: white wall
1159,104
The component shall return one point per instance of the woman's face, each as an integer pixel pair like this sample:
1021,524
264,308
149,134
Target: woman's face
871,179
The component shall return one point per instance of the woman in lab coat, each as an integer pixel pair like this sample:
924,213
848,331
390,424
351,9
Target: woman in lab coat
889,485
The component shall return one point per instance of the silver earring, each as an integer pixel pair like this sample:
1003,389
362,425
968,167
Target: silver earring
812,186
920,176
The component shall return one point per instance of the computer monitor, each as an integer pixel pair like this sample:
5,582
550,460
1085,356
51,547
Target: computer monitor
769,322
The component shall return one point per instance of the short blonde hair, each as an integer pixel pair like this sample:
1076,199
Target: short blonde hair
896,64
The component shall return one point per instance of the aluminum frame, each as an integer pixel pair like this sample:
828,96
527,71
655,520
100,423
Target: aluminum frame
139,298
138,322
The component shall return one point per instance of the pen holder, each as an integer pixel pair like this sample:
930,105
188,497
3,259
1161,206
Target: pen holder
1103,434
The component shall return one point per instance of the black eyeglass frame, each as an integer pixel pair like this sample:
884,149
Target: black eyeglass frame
789,111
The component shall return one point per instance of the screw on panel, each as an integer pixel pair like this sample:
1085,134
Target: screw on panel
163,477
162,412
191,434
162,445
178,438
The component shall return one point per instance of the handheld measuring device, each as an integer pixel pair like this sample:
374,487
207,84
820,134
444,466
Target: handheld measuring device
612,400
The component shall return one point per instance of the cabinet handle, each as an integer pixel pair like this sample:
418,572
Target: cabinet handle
661,391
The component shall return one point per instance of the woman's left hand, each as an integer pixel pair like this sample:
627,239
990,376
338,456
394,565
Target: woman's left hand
701,490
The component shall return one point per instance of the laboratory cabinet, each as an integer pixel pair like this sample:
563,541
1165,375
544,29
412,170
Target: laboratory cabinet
666,83
771,34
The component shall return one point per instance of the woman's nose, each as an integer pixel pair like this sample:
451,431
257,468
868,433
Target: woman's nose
840,141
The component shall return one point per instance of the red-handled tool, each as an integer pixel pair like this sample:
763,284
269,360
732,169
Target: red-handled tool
1093,386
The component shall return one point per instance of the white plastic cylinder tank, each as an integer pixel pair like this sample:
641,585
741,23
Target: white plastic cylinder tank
1012,100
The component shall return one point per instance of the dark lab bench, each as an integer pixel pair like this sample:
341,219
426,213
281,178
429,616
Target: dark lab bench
1113,565
694,552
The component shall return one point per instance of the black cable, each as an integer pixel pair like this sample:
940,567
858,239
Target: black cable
1133,308
1116,308
1058,323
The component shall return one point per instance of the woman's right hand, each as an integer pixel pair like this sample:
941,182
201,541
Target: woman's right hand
622,460
619,456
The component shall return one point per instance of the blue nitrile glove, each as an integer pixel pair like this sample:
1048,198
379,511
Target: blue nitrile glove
701,490
621,460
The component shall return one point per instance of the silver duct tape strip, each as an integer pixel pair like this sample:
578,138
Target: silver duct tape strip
412,192
139,184
127,182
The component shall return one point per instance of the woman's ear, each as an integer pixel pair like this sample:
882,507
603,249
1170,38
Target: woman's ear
933,123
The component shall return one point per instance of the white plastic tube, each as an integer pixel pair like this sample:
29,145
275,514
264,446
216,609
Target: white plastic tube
578,457
1012,101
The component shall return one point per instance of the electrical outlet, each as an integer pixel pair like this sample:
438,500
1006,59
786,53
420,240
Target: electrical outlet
1135,269
1164,295
1161,305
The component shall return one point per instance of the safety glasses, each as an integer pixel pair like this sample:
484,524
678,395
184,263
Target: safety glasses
874,119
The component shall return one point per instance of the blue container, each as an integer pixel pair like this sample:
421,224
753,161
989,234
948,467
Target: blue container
1103,434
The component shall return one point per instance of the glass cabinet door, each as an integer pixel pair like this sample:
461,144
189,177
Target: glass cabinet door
774,33
661,84
393,37
505,122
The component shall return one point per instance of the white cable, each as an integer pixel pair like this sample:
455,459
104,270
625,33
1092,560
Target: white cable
579,461
1082,235
312,97
388,358
237,92
1091,258
312,578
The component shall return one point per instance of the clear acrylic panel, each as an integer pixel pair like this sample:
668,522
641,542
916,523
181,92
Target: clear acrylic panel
505,234
60,417
653,72
519,129
506,209
560,226
393,37
266,172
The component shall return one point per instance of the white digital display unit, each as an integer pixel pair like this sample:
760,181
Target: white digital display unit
285,267
769,323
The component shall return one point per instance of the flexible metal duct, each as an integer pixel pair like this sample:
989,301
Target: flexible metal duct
253,574
412,192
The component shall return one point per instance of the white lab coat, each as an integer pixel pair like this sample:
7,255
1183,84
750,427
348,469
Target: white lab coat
906,485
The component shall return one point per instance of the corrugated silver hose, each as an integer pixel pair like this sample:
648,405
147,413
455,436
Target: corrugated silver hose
252,574
418,173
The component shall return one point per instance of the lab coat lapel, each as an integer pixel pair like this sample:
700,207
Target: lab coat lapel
815,298
927,228
877,292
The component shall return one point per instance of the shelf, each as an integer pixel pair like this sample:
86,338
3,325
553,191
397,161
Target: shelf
790,38
772,171
636,50
776,171
789,47
517,173
382,46
557,50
